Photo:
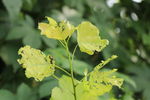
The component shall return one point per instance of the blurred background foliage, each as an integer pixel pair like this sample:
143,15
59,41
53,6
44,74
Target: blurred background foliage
125,23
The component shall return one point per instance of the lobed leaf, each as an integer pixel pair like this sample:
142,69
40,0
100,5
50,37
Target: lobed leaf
36,63
99,83
56,30
65,90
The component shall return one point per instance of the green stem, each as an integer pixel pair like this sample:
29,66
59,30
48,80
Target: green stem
71,68
55,77
63,70
74,52
62,44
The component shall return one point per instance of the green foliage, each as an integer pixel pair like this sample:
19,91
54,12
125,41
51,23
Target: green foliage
8,53
60,56
65,90
46,87
142,83
125,25
6,95
39,66
24,92
12,8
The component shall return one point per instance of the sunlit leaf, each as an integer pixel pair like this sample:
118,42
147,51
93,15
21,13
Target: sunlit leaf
56,30
36,63
100,83
65,90
88,38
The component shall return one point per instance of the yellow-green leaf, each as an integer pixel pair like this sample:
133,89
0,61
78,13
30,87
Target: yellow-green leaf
65,91
36,63
56,30
100,83
103,63
88,38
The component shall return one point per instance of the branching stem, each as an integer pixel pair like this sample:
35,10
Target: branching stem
62,44
63,70
55,77
71,67
74,52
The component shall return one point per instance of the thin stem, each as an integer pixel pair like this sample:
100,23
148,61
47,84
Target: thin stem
71,68
63,70
55,77
62,44
74,52
85,76
68,39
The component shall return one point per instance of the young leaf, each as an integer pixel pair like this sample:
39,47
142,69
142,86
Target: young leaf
88,38
86,90
83,94
65,90
103,63
56,30
100,83
36,63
